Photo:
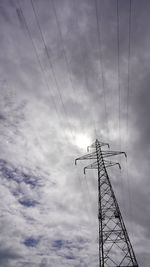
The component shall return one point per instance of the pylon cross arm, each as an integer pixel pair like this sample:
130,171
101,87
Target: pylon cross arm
95,165
111,164
108,153
100,144
87,156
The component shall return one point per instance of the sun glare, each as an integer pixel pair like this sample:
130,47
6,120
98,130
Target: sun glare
82,141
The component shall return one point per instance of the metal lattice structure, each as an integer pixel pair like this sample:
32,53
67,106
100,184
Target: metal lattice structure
115,248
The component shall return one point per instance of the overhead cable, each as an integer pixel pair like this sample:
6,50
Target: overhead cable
36,53
51,65
101,64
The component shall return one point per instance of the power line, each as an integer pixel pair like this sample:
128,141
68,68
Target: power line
68,65
118,59
101,59
62,41
129,61
70,78
50,65
119,95
35,51
93,121
23,21
65,56
128,97
34,48
71,82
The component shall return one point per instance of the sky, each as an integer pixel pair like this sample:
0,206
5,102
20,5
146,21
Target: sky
70,72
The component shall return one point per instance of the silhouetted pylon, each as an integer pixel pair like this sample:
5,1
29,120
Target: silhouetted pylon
115,248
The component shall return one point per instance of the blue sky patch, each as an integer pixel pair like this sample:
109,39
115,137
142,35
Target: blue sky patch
69,257
58,243
31,242
62,244
11,173
28,202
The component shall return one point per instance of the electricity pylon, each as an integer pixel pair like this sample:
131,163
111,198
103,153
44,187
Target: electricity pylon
115,248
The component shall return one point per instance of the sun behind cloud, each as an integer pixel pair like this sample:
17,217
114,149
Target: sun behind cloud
82,140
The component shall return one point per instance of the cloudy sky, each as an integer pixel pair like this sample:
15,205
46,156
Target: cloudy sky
70,72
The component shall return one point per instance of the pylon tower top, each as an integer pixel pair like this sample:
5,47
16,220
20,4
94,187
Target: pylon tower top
115,249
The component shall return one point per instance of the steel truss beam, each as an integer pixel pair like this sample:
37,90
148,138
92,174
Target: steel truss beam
115,249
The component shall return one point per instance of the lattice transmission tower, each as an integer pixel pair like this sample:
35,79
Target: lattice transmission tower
115,248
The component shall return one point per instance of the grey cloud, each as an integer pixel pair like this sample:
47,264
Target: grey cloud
39,130
7,254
